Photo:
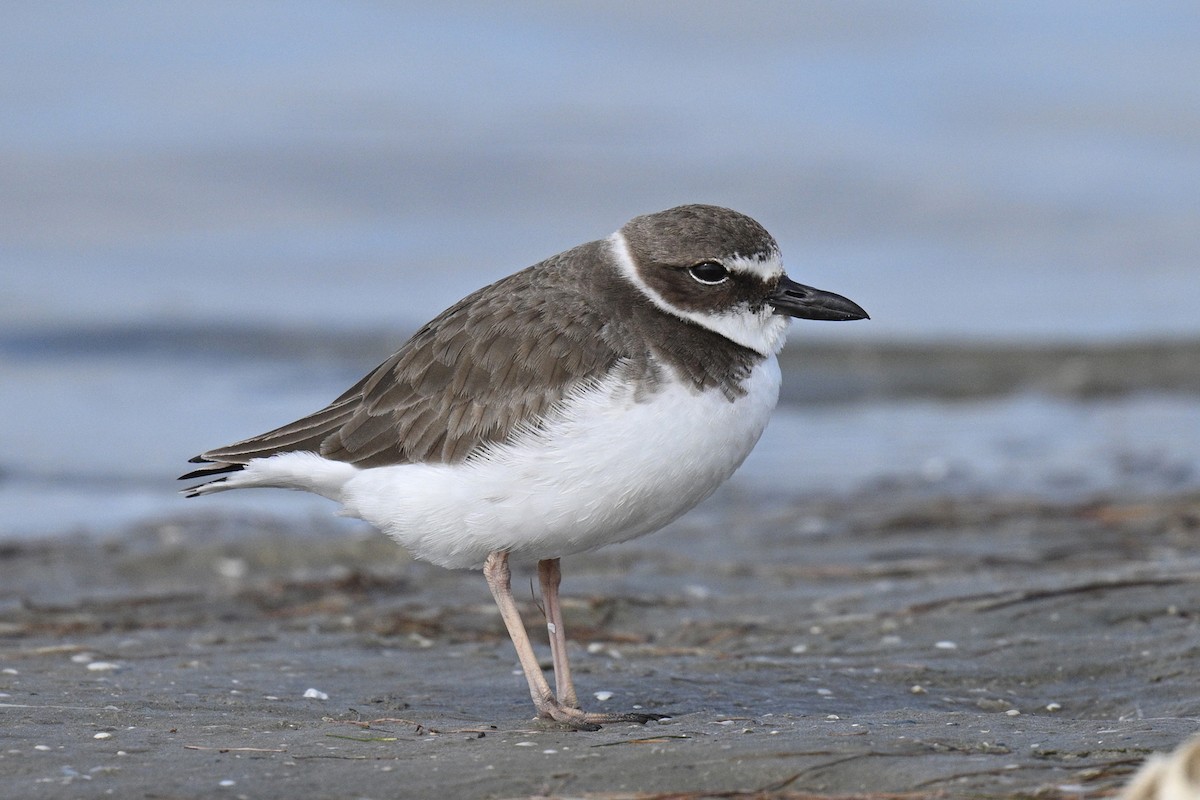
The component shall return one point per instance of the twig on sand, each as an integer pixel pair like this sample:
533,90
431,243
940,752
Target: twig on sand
236,749
419,727
991,601
645,740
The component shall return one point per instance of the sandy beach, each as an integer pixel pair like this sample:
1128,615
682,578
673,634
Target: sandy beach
868,646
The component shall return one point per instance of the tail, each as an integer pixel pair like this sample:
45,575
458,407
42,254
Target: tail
302,470
211,468
245,461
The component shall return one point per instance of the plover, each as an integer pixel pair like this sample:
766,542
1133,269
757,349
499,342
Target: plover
586,400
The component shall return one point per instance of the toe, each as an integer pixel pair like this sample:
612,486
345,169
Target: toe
639,717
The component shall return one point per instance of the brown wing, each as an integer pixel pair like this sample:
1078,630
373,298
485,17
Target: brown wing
498,359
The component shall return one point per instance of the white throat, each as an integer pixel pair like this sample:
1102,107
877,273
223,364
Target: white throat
763,331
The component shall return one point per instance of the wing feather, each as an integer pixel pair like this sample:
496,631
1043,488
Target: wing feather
486,368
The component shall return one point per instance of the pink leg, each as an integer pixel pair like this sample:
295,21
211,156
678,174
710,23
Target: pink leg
499,579
550,576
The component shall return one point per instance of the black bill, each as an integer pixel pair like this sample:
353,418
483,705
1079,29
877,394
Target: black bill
797,300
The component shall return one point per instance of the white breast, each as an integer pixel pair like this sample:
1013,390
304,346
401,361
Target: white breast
607,469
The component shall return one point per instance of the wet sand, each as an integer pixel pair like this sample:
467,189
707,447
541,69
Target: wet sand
891,644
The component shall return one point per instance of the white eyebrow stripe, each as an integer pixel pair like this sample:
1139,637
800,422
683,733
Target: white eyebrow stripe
766,266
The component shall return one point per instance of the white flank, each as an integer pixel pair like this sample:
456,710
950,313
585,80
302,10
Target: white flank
763,331
604,470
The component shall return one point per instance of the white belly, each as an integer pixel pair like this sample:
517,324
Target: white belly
608,469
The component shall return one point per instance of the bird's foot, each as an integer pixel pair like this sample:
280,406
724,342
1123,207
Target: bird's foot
560,717
640,717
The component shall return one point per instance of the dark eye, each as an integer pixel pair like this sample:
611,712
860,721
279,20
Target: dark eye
709,272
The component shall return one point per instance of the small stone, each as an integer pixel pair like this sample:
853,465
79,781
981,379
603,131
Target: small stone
1012,712
812,525
946,645
103,666
916,688
232,568
102,735
1053,707
315,694
602,696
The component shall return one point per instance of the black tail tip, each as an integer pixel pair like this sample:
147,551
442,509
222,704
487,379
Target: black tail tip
194,491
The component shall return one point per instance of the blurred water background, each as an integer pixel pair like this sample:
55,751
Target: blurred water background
215,216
